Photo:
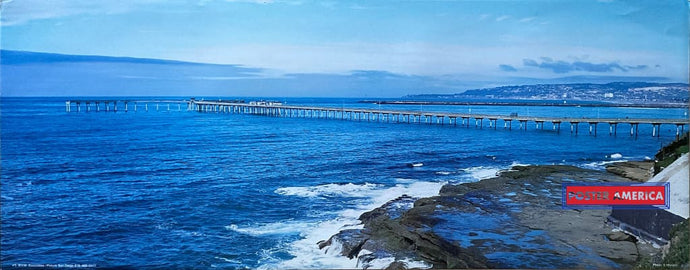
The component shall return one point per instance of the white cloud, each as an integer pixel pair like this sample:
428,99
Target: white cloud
22,11
528,19
262,2
502,18
421,58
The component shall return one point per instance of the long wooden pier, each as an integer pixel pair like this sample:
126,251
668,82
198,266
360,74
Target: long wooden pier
379,115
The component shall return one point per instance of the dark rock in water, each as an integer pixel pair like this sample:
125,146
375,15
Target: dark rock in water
397,265
405,236
514,220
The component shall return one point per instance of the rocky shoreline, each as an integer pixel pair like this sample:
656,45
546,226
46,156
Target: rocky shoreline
639,171
514,220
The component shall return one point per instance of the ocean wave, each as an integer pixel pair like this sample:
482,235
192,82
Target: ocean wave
308,255
285,227
405,180
600,165
341,190
381,263
485,172
228,260
481,172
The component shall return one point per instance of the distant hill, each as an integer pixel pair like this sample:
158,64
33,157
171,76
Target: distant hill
616,92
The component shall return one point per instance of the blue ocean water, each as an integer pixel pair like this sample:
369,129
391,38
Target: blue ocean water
178,189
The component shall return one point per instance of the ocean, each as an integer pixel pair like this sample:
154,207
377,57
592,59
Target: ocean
184,189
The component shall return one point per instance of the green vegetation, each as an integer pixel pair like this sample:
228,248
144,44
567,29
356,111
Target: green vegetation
677,256
680,245
668,154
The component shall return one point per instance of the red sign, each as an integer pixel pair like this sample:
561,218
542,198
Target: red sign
655,194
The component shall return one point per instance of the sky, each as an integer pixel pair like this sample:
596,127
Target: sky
455,43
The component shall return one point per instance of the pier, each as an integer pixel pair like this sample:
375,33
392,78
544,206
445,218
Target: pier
98,105
381,115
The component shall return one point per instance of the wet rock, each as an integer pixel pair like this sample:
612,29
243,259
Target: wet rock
397,265
511,221
640,171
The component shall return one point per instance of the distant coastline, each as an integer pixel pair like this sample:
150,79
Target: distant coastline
514,103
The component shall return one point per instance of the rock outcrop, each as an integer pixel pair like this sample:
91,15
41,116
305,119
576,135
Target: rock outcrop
514,220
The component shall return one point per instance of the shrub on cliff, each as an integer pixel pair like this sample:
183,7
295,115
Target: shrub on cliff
679,249
669,153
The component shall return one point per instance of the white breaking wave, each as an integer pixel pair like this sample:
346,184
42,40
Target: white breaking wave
486,172
600,165
381,263
343,190
481,172
306,251
616,156
286,227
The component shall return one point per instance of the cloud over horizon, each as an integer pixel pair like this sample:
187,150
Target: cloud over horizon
560,66
507,68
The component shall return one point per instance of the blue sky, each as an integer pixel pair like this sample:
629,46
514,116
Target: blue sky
490,42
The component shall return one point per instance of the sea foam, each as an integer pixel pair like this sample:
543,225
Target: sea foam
307,253
342,190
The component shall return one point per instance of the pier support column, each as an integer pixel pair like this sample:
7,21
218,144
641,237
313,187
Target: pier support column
613,127
481,123
634,127
574,127
593,125
68,106
656,130
557,126
679,130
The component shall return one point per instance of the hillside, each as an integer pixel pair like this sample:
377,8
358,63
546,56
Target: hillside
617,92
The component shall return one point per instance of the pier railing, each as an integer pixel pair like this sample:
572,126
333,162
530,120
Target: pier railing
378,115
